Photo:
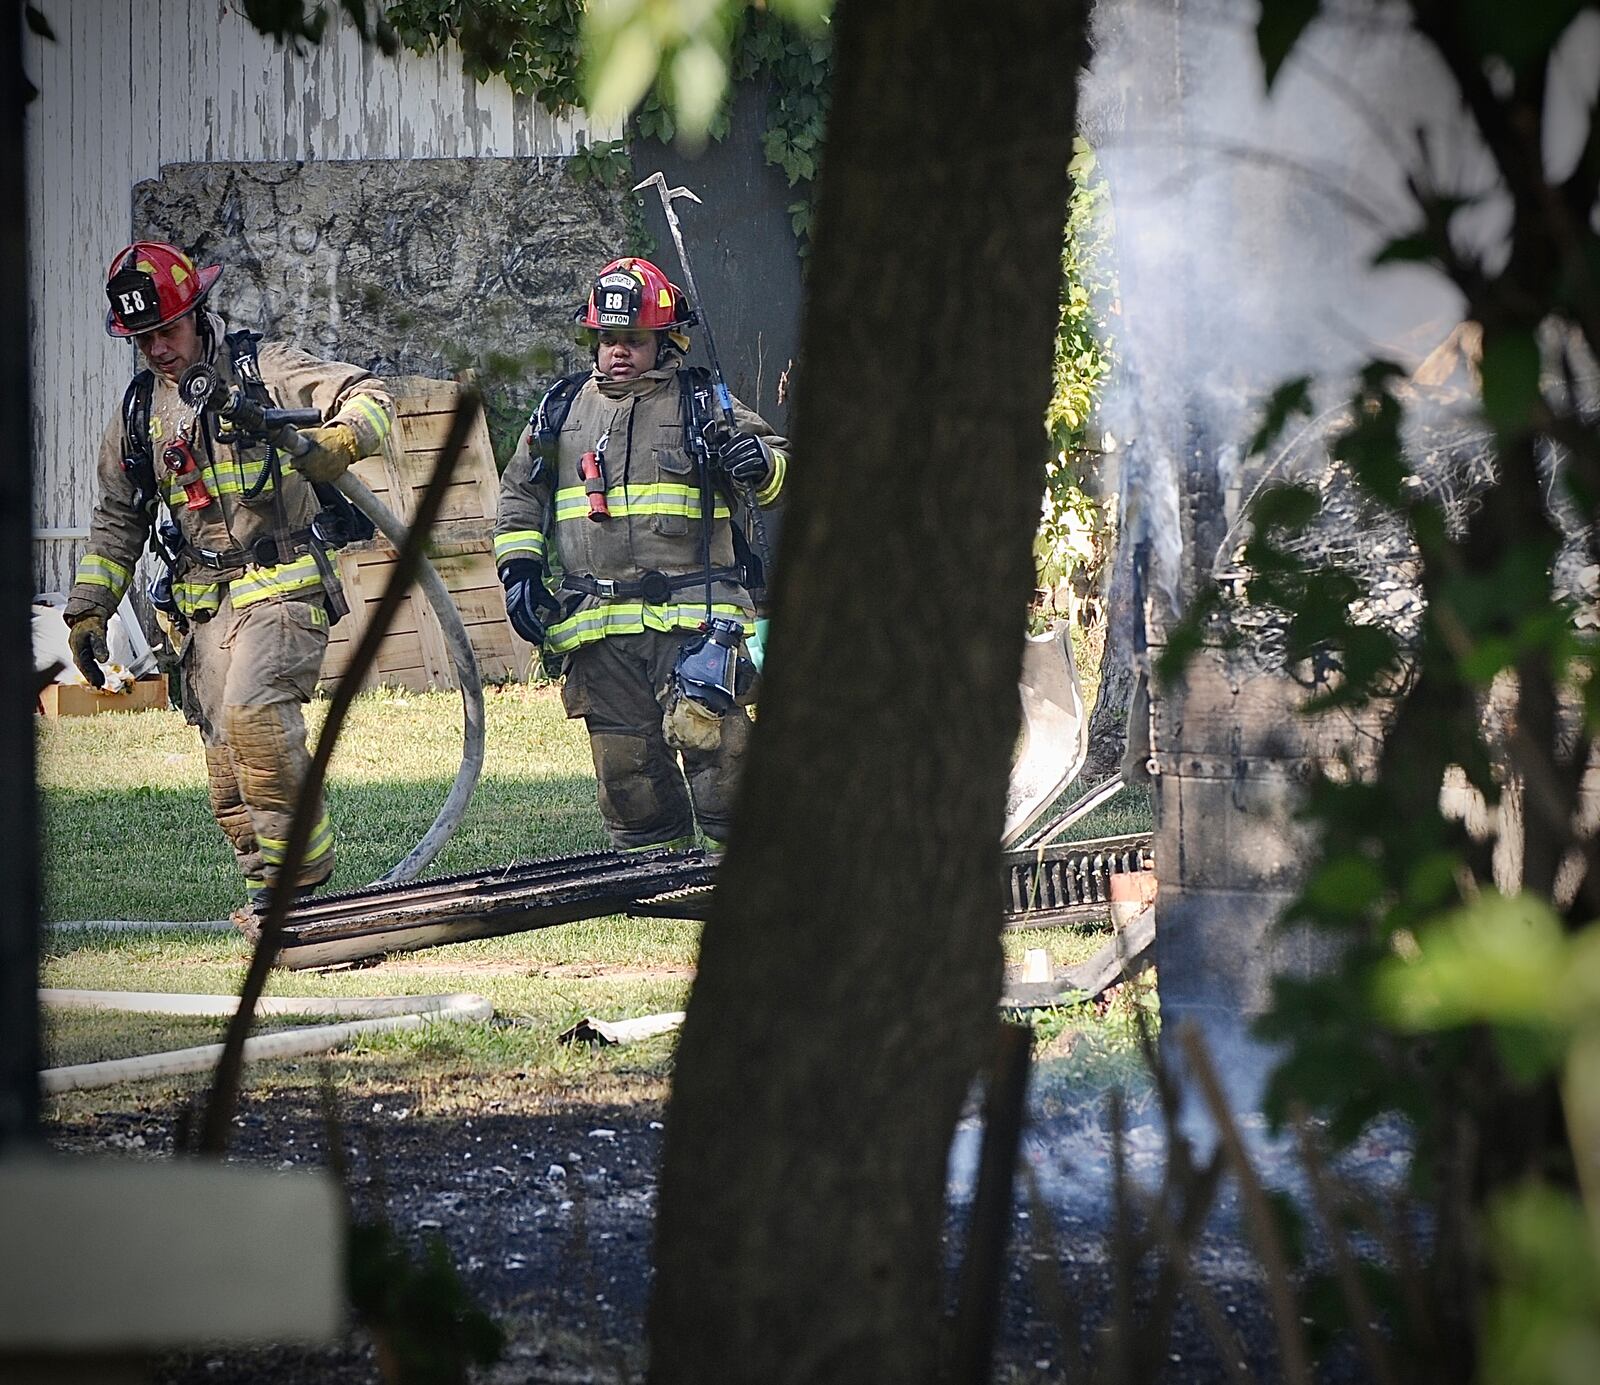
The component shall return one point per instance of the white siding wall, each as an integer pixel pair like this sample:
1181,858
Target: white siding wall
130,85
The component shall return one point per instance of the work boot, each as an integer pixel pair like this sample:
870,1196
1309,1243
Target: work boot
248,919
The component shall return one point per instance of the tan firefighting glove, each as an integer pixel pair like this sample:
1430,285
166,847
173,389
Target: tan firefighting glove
331,454
87,641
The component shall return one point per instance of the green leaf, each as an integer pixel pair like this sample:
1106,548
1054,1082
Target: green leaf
1345,885
1498,959
1290,398
1279,29
699,81
1542,1324
623,71
1510,371
1416,247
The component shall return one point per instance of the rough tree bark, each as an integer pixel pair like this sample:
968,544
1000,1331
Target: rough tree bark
19,864
849,972
1108,723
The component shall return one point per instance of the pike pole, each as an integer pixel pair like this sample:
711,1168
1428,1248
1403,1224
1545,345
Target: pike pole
719,381
658,181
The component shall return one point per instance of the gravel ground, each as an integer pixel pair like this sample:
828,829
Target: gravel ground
547,1214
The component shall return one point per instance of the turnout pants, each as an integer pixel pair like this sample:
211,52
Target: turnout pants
246,675
618,686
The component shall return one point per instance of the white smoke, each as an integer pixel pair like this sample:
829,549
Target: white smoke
1246,224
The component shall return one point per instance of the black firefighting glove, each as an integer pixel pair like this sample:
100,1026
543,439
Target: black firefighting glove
744,459
529,603
87,641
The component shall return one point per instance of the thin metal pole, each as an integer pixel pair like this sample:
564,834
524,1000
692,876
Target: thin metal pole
724,399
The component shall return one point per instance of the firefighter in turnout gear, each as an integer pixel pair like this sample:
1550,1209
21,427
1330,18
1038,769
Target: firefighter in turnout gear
615,535
248,588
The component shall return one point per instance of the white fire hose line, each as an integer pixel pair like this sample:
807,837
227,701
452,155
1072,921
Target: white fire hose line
379,1014
141,926
467,674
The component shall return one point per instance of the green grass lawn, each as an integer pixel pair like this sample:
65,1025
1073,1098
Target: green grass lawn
128,835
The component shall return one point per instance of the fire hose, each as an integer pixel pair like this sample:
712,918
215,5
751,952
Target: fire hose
466,667
361,1017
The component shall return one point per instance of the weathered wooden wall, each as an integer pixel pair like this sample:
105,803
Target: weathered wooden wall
414,653
131,85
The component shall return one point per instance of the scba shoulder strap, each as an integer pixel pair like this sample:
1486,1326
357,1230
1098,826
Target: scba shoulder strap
544,428
698,396
138,456
243,356
243,349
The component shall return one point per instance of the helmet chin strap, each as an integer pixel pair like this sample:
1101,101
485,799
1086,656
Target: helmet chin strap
665,347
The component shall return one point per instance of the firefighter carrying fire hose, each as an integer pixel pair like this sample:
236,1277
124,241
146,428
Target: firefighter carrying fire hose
617,548
242,530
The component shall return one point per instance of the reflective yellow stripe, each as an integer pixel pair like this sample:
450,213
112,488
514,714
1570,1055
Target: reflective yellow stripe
94,570
249,473
195,597
261,583
373,414
274,849
676,844
769,492
658,498
523,541
634,618
321,839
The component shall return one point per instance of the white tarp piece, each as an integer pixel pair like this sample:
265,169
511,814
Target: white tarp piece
130,652
605,1033
1055,731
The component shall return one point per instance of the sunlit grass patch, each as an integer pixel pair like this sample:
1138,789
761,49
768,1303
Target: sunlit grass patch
129,834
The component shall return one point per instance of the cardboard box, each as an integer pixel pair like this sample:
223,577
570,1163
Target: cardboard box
78,700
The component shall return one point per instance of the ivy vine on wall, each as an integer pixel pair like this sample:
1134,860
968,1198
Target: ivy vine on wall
1077,530
536,46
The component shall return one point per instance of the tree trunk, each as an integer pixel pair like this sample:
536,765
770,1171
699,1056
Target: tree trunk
1108,723
850,969
19,864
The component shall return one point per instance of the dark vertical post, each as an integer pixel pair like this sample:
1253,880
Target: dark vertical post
19,856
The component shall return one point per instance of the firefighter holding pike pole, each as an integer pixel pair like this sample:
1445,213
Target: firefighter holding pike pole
617,547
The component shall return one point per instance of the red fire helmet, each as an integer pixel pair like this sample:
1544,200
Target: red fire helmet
150,284
631,294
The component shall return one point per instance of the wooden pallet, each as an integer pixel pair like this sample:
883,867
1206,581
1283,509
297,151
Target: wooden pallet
413,654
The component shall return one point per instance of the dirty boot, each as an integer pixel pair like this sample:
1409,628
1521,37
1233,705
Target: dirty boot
248,919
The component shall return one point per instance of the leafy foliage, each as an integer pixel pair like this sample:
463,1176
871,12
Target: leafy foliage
533,44
428,1328
604,162
293,20
666,66
1474,1014
1076,529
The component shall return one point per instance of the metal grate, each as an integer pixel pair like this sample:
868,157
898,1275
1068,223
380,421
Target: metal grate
1058,884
